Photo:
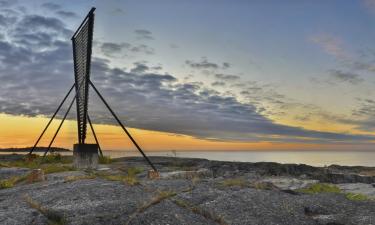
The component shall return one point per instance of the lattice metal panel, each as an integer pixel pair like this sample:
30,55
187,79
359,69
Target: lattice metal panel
82,44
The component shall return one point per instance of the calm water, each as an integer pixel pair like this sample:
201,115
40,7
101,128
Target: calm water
314,158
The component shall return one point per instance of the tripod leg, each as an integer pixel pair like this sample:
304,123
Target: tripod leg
93,132
58,129
123,127
53,116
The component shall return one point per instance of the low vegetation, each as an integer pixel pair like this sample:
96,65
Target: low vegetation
12,181
75,178
129,178
320,188
240,182
197,210
105,159
330,188
53,217
356,197
34,161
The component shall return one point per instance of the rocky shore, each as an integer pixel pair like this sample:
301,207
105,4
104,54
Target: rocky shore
189,191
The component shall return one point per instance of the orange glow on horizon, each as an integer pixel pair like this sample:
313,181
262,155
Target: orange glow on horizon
20,131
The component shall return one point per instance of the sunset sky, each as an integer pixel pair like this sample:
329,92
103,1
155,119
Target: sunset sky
197,74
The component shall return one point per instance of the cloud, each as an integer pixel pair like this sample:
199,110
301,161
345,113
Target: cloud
348,77
51,6
143,34
218,84
331,45
7,3
34,77
205,64
111,49
227,77
139,68
66,14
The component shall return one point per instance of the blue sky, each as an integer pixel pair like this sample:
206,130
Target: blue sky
287,71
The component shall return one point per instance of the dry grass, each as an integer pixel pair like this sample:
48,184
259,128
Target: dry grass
239,182
197,210
12,181
53,217
75,178
162,195
127,179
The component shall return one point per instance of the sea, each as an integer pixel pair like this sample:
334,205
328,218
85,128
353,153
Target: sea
313,158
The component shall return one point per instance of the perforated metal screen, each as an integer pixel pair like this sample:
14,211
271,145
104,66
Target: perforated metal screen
82,44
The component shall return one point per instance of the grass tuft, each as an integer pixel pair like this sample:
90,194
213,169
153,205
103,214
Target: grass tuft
105,159
12,181
55,168
53,217
356,197
239,182
75,178
127,179
320,188
132,171
197,210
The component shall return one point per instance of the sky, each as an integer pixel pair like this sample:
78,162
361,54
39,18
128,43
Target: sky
197,74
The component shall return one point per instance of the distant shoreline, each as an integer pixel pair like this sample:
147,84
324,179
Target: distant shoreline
37,149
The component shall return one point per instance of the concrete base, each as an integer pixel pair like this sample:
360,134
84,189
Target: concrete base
85,156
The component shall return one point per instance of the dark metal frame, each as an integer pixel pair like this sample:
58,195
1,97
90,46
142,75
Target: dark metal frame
81,138
82,112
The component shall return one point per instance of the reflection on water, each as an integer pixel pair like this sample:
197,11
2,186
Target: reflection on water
314,158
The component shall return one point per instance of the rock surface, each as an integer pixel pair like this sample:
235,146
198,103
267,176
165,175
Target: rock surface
217,193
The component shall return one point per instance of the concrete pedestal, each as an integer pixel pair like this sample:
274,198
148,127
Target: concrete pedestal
85,156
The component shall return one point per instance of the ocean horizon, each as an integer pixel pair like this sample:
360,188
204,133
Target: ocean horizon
309,157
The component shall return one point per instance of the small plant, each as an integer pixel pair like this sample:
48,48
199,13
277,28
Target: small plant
105,159
356,197
320,188
12,181
8,183
132,171
235,182
131,180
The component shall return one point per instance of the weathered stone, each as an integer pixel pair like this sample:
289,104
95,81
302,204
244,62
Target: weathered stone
85,156
152,174
186,174
358,188
98,201
289,183
36,175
